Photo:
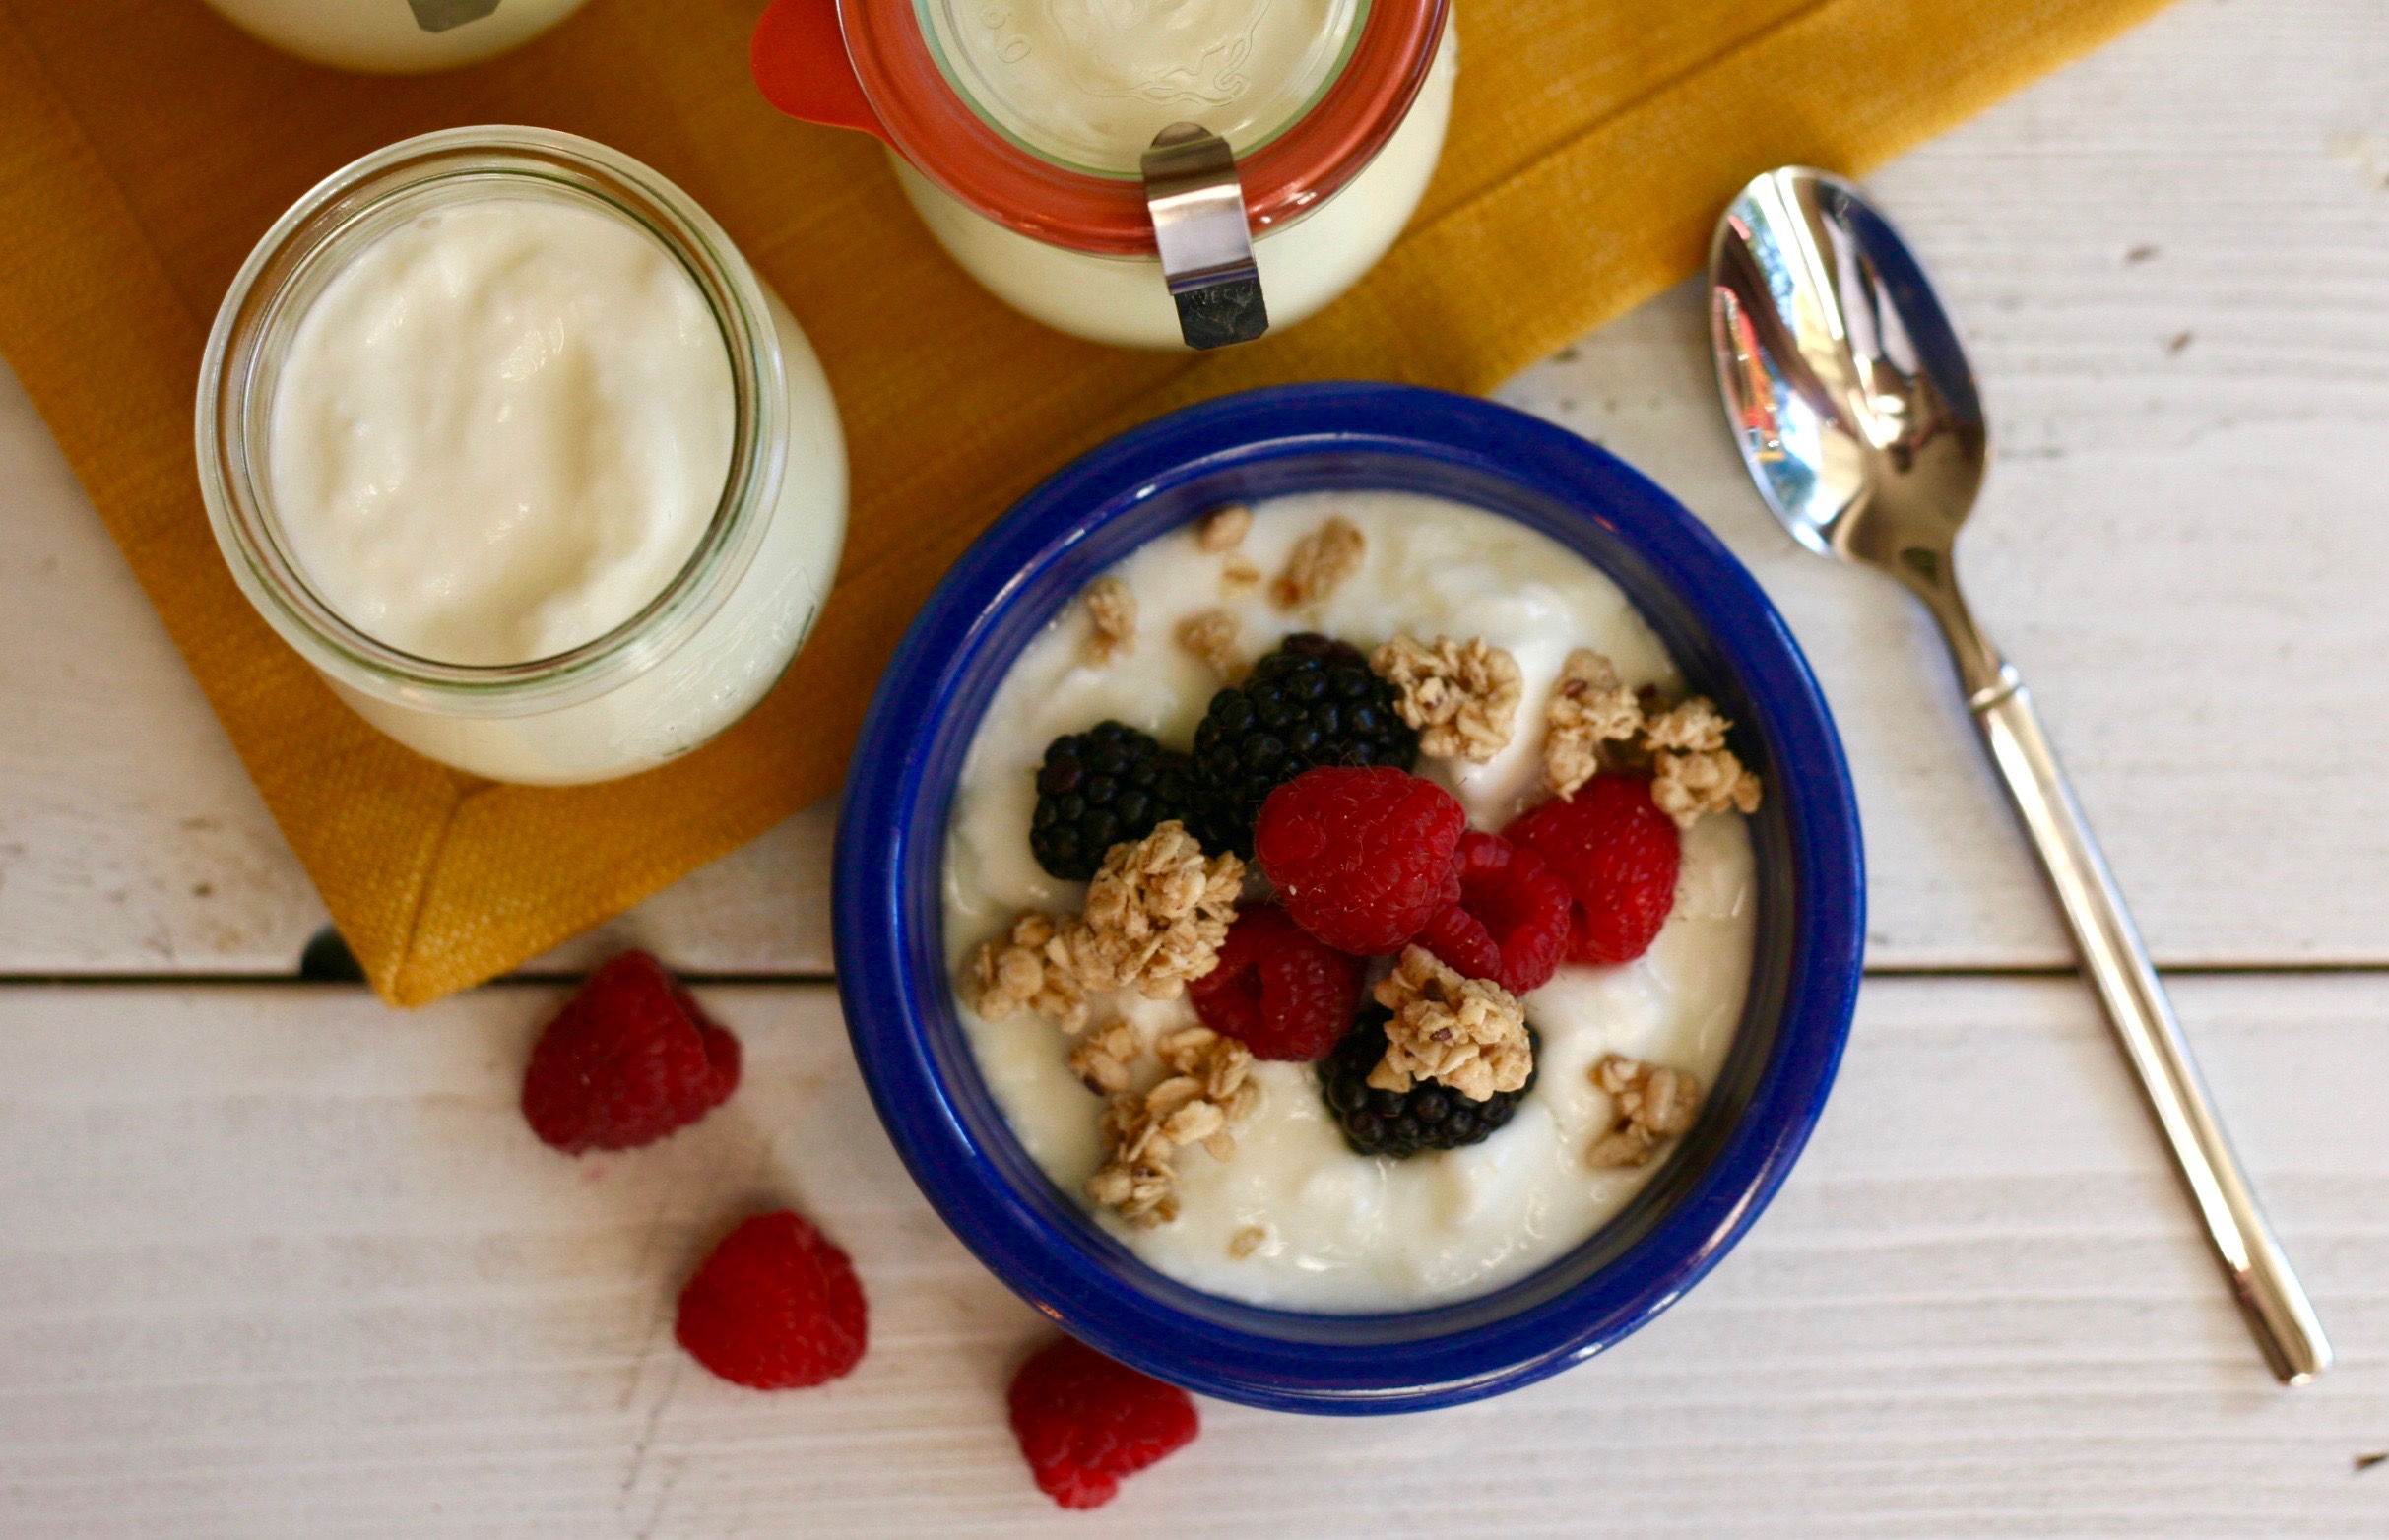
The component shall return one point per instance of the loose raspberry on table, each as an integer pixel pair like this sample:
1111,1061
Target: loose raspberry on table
1287,993
1617,853
1512,919
1084,1422
628,1060
1361,858
775,1307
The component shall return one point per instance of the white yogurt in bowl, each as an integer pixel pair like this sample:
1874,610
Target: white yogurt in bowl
501,434
1295,1219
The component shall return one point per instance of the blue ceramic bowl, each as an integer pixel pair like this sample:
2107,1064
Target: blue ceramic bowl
899,997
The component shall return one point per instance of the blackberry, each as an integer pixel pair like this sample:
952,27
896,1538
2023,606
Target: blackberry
1312,702
1098,788
1427,1117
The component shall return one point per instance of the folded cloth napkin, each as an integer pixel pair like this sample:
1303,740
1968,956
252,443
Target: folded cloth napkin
144,145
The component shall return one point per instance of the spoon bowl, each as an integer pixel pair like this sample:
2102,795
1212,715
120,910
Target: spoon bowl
1851,395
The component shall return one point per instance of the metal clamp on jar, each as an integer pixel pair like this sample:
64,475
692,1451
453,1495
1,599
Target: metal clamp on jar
1080,162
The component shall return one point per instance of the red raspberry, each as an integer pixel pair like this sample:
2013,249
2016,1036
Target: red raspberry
1084,1421
628,1060
1618,855
775,1307
1361,856
1285,993
1512,923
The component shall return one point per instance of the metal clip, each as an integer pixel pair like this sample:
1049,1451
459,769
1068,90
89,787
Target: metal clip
1206,249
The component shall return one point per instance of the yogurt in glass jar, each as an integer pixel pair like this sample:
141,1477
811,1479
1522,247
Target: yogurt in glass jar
395,36
1020,129
501,434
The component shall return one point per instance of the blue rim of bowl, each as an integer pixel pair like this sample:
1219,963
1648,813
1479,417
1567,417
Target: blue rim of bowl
896,987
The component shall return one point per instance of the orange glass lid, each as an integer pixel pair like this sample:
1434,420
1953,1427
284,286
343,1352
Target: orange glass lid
1037,112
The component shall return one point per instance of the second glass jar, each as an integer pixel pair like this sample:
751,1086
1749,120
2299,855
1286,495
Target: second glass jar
1017,127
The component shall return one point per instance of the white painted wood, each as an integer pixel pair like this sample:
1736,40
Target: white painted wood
131,840
280,1262
2174,261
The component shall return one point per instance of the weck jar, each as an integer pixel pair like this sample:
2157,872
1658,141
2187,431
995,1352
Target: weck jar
1142,173
762,537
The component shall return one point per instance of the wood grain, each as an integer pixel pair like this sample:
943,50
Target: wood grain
283,1262
2173,260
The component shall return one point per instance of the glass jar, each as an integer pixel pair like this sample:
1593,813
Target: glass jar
1019,129
394,37
703,650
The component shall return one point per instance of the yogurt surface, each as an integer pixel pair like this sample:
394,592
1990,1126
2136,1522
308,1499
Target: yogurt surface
399,36
1342,1232
1089,82
500,430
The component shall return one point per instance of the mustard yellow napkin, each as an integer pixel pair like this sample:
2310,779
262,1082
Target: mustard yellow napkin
144,145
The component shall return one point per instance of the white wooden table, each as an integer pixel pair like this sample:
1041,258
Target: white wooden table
276,1261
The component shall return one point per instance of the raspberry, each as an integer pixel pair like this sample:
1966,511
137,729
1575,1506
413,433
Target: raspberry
1618,855
775,1307
1283,993
1084,1422
628,1060
1361,857
1512,919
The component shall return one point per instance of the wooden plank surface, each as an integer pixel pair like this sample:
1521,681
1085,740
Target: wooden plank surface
2174,261
281,1262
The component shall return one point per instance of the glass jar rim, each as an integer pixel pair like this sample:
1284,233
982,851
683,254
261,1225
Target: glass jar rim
311,240
920,114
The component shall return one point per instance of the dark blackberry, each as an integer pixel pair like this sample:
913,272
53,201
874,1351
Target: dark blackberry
1429,1115
1097,788
1312,702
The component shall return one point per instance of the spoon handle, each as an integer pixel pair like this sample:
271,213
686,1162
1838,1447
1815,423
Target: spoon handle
2117,964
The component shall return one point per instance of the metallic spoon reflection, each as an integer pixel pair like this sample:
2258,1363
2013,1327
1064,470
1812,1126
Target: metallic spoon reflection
1857,413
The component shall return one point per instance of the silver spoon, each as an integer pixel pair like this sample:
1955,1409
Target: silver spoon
1856,411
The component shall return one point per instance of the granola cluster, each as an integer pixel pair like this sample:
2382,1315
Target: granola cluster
1155,917
1594,719
1694,772
1651,1105
1224,528
1112,620
1207,1091
1463,696
1320,562
1026,971
1470,1033
1105,1060
1210,635
1590,708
